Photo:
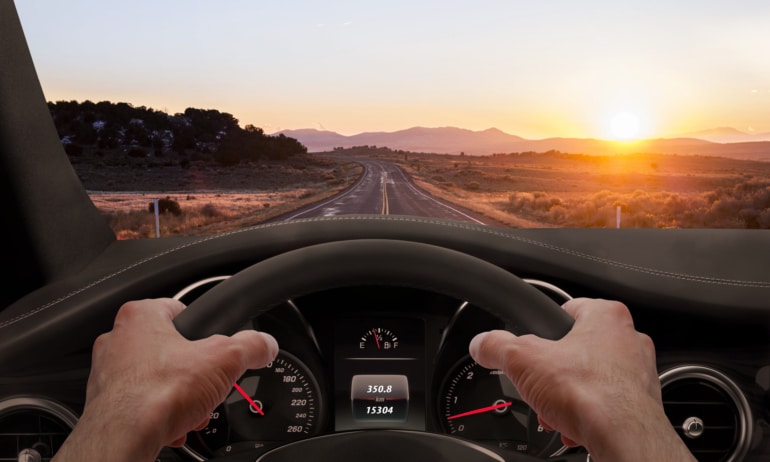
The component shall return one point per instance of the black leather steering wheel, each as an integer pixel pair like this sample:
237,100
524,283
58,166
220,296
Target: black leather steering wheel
254,290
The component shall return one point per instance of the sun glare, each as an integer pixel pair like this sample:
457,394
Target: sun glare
624,126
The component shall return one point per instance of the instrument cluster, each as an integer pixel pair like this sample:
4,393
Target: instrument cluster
370,358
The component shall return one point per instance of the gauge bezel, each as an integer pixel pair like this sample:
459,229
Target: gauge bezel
454,371
320,406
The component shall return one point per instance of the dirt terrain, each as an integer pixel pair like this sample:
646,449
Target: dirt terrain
565,190
210,199
520,190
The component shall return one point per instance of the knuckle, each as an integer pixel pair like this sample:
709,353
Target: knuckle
128,310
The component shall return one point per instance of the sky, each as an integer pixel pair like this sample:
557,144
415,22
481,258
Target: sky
537,69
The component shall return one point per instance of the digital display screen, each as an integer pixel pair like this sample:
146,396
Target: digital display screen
379,373
380,398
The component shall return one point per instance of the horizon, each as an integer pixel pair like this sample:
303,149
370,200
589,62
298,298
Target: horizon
595,70
714,135
705,133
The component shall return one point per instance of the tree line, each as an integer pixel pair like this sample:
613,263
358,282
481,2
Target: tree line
107,128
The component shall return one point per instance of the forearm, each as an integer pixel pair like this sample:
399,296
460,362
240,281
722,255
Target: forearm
642,436
116,440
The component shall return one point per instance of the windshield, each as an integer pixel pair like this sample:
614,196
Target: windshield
191,117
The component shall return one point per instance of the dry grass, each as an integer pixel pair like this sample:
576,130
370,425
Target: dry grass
561,190
521,190
210,212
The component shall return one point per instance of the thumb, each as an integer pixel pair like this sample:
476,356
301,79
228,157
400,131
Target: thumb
243,350
259,348
490,349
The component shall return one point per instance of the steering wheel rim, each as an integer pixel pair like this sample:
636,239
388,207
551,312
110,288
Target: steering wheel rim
263,285
339,264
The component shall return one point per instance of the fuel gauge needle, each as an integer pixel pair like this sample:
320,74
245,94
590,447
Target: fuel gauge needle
248,398
376,340
480,410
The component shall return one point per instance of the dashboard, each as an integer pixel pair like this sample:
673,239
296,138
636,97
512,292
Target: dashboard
390,359
373,358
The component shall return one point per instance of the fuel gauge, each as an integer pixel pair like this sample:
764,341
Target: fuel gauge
378,339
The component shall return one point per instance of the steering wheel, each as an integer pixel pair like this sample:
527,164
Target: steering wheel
256,289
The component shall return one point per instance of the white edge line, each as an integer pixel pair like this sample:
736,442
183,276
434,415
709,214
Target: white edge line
409,183
335,198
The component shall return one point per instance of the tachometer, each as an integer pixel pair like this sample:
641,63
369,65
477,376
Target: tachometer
483,405
279,403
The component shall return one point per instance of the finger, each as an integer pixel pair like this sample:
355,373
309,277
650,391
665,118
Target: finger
598,311
257,348
99,346
179,442
170,307
578,306
568,442
490,349
202,425
140,310
544,424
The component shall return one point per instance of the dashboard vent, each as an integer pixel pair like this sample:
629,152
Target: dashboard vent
33,424
708,411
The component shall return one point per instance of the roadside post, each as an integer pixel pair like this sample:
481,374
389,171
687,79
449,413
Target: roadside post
157,217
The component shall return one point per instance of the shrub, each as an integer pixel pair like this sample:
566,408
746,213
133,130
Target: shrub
745,205
167,205
209,211
306,194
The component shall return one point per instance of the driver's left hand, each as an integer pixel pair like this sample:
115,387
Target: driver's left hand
149,386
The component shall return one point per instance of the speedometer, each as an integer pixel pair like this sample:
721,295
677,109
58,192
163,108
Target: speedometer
483,405
278,403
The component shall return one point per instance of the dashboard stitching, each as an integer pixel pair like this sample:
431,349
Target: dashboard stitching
469,227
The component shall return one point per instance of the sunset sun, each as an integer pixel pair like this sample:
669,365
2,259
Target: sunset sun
624,126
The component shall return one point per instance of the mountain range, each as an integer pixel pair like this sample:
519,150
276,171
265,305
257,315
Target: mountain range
453,140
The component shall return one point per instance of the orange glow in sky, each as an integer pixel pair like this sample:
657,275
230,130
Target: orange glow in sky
535,69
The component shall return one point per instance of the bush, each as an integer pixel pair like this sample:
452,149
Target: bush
209,211
167,205
745,205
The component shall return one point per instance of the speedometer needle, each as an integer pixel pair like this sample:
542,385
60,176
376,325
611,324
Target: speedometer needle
480,410
248,398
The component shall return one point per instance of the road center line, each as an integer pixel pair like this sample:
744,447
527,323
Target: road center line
385,205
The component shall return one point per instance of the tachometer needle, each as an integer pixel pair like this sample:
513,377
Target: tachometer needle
480,410
248,398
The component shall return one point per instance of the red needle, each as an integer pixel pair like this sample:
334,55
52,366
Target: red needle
376,340
248,398
480,410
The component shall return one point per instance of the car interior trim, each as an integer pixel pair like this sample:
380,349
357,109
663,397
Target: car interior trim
727,385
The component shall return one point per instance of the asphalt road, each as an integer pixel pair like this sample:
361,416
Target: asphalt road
385,189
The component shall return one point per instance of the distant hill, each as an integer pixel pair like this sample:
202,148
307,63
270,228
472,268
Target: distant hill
450,140
728,135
